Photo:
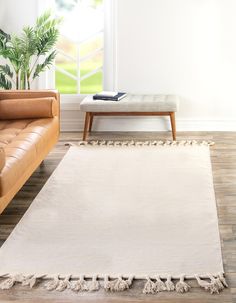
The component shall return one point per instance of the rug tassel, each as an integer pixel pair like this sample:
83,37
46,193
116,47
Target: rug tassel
110,143
222,279
10,282
122,284
79,285
52,284
74,144
149,287
217,282
169,284
212,286
119,284
31,280
182,286
131,143
160,285
124,143
138,143
64,284
109,285
94,285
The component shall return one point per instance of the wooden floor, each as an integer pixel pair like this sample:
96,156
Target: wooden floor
224,171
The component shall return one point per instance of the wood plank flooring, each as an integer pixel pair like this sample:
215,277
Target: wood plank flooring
224,172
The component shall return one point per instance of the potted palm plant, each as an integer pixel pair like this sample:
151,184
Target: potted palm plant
29,54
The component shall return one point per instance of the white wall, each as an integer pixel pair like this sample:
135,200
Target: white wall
184,47
16,14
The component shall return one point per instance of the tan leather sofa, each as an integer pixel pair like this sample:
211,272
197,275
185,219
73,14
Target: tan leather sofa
29,128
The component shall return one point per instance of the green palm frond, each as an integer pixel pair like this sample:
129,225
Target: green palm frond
47,33
27,41
4,82
46,41
6,70
45,22
43,19
15,54
4,35
4,43
47,62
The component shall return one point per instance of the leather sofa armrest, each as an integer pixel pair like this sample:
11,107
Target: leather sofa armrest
25,94
2,158
23,104
32,108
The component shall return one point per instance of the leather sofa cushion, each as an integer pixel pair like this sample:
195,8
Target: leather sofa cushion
28,108
2,158
23,141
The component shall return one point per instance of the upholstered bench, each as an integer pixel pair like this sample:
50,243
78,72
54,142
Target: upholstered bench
131,105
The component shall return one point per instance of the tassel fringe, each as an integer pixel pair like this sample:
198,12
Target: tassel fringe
222,279
64,284
182,286
80,285
143,143
169,284
214,283
160,285
119,284
32,280
149,287
11,280
94,285
52,284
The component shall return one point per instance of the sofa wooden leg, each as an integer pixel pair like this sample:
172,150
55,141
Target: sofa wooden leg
173,126
86,125
91,122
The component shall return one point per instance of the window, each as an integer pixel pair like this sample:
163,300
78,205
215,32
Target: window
79,63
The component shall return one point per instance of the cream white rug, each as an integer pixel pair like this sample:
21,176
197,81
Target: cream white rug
115,212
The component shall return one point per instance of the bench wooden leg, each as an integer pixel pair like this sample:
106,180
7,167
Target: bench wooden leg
173,126
91,122
86,125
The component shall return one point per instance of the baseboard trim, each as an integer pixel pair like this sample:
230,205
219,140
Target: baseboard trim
148,124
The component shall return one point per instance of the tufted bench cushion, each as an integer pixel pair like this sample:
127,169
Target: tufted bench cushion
133,103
